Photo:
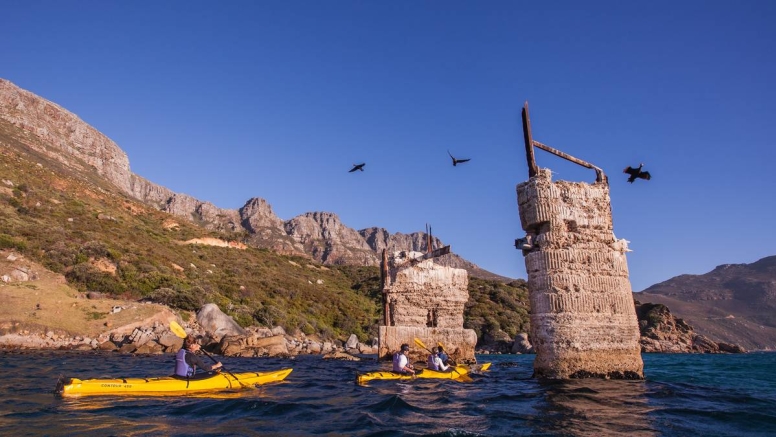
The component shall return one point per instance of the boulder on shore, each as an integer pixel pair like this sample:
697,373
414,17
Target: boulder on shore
216,323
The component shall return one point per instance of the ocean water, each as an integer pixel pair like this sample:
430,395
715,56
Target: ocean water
683,395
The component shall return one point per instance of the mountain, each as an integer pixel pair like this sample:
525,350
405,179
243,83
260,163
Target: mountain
321,236
70,209
69,202
734,303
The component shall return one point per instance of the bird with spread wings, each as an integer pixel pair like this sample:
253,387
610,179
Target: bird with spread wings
457,161
637,173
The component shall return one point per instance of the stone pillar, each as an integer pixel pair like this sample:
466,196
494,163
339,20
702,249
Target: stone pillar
425,300
583,319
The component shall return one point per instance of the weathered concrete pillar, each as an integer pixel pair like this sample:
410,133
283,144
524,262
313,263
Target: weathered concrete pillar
425,300
583,320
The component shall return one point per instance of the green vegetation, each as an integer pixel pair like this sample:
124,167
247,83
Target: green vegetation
495,308
52,215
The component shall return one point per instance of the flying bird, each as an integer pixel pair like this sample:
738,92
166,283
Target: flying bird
637,173
457,161
357,167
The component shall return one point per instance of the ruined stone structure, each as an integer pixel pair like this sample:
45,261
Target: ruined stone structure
583,319
424,300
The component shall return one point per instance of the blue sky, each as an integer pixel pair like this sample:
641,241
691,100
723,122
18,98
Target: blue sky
231,100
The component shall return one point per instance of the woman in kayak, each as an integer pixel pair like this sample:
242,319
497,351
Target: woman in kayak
435,362
401,364
187,362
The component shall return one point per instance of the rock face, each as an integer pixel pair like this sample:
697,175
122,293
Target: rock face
426,301
662,332
61,135
77,142
583,321
317,232
217,323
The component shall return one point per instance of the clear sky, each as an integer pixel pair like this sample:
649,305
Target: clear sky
277,99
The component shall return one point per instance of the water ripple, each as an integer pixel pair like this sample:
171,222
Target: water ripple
683,395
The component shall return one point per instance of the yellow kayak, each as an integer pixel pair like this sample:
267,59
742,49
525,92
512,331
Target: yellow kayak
458,373
167,385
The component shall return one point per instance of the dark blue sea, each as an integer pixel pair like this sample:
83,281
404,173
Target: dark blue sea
683,395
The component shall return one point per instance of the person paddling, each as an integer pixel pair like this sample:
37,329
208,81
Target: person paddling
401,364
435,362
187,362
443,356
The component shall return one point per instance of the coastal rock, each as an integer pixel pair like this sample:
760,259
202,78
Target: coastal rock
704,344
522,345
352,342
662,332
252,346
216,323
170,341
341,356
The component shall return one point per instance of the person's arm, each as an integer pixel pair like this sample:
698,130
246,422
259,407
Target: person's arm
195,360
407,366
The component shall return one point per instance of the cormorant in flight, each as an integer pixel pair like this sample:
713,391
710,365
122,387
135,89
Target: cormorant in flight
357,167
456,161
637,173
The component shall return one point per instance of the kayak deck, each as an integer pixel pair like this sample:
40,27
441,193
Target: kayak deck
457,373
167,385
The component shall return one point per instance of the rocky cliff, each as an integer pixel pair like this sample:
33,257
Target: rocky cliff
61,135
662,332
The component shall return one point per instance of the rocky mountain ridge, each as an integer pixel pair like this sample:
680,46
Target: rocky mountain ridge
318,235
733,303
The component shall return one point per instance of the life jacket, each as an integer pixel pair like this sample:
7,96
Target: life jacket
432,365
396,362
182,368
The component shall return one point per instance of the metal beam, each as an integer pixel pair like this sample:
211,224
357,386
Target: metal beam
599,174
529,152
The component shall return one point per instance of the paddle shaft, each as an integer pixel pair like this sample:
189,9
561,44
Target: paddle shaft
421,344
222,366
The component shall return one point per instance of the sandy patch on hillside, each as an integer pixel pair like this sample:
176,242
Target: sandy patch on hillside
103,265
208,241
48,304
170,224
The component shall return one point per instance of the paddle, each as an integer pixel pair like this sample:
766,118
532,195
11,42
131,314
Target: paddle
439,343
178,330
420,343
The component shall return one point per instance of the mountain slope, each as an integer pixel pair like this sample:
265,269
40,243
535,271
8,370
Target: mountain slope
62,136
60,212
734,303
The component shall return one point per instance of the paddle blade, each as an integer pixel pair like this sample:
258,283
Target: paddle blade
485,367
177,329
420,343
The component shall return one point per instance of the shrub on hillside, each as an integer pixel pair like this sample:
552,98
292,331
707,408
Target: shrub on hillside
88,278
183,300
9,242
